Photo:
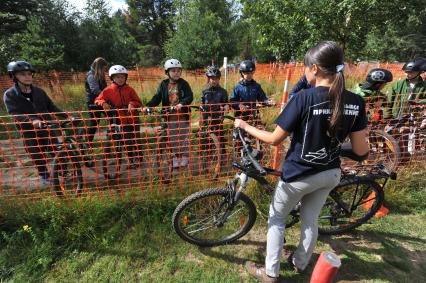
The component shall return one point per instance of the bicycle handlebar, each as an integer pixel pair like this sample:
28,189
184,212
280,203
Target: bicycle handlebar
256,164
60,124
150,111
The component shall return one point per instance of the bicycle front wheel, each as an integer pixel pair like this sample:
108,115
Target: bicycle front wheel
67,174
113,157
350,205
208,219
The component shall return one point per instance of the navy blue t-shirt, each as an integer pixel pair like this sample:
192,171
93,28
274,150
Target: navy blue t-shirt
307,117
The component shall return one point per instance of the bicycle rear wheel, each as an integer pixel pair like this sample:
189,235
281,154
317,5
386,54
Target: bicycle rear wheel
207,219
349,205
384,150
113,157
67,175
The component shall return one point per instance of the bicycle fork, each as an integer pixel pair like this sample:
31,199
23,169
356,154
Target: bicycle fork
234,195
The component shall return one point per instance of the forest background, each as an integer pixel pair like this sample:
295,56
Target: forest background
53,34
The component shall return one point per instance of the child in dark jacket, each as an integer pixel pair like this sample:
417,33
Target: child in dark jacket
30,106
176,93
247,92
214,99
124,98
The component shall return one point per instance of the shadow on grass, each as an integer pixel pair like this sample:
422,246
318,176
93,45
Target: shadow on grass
368,255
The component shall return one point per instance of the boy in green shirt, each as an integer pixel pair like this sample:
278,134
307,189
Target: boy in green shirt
408,98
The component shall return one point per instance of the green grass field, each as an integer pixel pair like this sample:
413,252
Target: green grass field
86,241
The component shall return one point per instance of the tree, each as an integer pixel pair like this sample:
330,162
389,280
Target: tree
106,36
290,27
61,23
204,32
43,52
150,23
14,15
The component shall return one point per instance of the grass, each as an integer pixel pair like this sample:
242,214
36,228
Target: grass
53,241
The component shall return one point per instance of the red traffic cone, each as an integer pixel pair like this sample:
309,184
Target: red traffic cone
369,201
326,268
381,212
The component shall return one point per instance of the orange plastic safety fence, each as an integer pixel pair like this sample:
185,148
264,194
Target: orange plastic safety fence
165,153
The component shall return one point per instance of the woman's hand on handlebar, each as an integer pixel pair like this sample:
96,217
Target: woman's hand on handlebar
238,123
37,124
270,102
178,107
131,108
106,106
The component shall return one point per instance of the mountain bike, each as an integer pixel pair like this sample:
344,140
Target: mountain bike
207,144
163,153
220,216
71,151
114,146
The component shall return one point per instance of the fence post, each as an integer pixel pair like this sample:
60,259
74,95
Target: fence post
283,101
139,76
225,67
58,85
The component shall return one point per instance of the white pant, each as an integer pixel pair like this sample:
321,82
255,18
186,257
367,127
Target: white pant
312,192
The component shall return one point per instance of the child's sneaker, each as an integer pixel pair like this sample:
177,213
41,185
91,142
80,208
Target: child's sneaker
176,162
184,161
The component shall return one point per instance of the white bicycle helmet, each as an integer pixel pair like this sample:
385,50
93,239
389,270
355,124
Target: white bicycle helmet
117,69
172,63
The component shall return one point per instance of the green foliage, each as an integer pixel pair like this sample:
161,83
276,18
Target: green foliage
150,22
203,33
38,48
14,14
105,36
288,28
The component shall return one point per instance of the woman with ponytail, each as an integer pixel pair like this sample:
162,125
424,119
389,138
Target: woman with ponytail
319,120
94,84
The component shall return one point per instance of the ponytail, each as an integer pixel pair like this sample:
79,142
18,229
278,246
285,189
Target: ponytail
328,56
336,103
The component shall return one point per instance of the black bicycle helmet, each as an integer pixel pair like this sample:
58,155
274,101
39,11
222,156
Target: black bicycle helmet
415,65
376,77
379,75
18,66
247,66
213,71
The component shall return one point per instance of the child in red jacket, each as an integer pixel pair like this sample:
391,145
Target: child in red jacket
123,97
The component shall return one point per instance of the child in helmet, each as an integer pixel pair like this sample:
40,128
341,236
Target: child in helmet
408,97
31,106
247,92
411,90
123,97
174,92
375,100
214,99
